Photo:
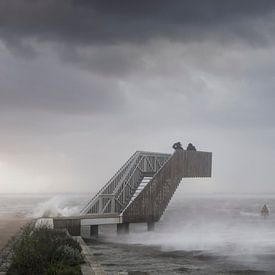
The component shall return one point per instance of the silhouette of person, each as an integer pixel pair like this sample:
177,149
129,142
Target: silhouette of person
177,145
191,147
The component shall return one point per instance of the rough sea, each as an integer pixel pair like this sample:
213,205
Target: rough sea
198,234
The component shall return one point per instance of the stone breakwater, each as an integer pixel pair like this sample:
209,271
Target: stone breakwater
6,254
7,250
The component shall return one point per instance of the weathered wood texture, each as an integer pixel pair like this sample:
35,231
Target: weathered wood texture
150,204
72,225
197,164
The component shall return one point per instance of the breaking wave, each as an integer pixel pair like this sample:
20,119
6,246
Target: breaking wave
57,206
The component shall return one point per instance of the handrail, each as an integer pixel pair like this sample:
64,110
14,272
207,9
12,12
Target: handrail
123,172
106,185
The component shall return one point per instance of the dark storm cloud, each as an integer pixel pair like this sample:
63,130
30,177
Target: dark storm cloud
46,85
111,37
87,82
115,21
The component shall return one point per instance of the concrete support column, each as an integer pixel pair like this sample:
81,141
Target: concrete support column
94,231
123,228
150,226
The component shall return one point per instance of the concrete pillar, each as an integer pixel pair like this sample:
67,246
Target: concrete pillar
150,226
94,231
122,228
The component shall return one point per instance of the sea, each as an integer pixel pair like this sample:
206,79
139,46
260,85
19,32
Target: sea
198,234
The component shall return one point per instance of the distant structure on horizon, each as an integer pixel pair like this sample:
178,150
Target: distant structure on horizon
140,191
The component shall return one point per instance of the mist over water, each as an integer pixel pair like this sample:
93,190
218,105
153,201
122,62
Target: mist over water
218,226
226,225
225,228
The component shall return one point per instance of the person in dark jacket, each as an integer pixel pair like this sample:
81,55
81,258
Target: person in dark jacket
177,145
191,147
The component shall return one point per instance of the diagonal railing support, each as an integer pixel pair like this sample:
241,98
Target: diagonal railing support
117,193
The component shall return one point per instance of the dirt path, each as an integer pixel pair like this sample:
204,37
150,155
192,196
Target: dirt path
9,228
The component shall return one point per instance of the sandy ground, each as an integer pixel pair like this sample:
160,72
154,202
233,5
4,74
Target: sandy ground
8,228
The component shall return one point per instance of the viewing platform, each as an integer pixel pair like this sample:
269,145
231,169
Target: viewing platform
139,192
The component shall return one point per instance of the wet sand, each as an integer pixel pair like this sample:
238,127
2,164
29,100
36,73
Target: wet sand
9,227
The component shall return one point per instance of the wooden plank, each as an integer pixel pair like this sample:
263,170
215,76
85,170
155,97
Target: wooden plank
150,204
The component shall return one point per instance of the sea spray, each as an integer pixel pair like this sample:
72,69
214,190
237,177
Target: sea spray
59,205
226,226
231,228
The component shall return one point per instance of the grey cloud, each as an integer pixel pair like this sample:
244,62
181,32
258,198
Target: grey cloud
105,22
107,60
114,38
46,85
144,74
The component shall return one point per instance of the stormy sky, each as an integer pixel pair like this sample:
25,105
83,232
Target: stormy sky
85,83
